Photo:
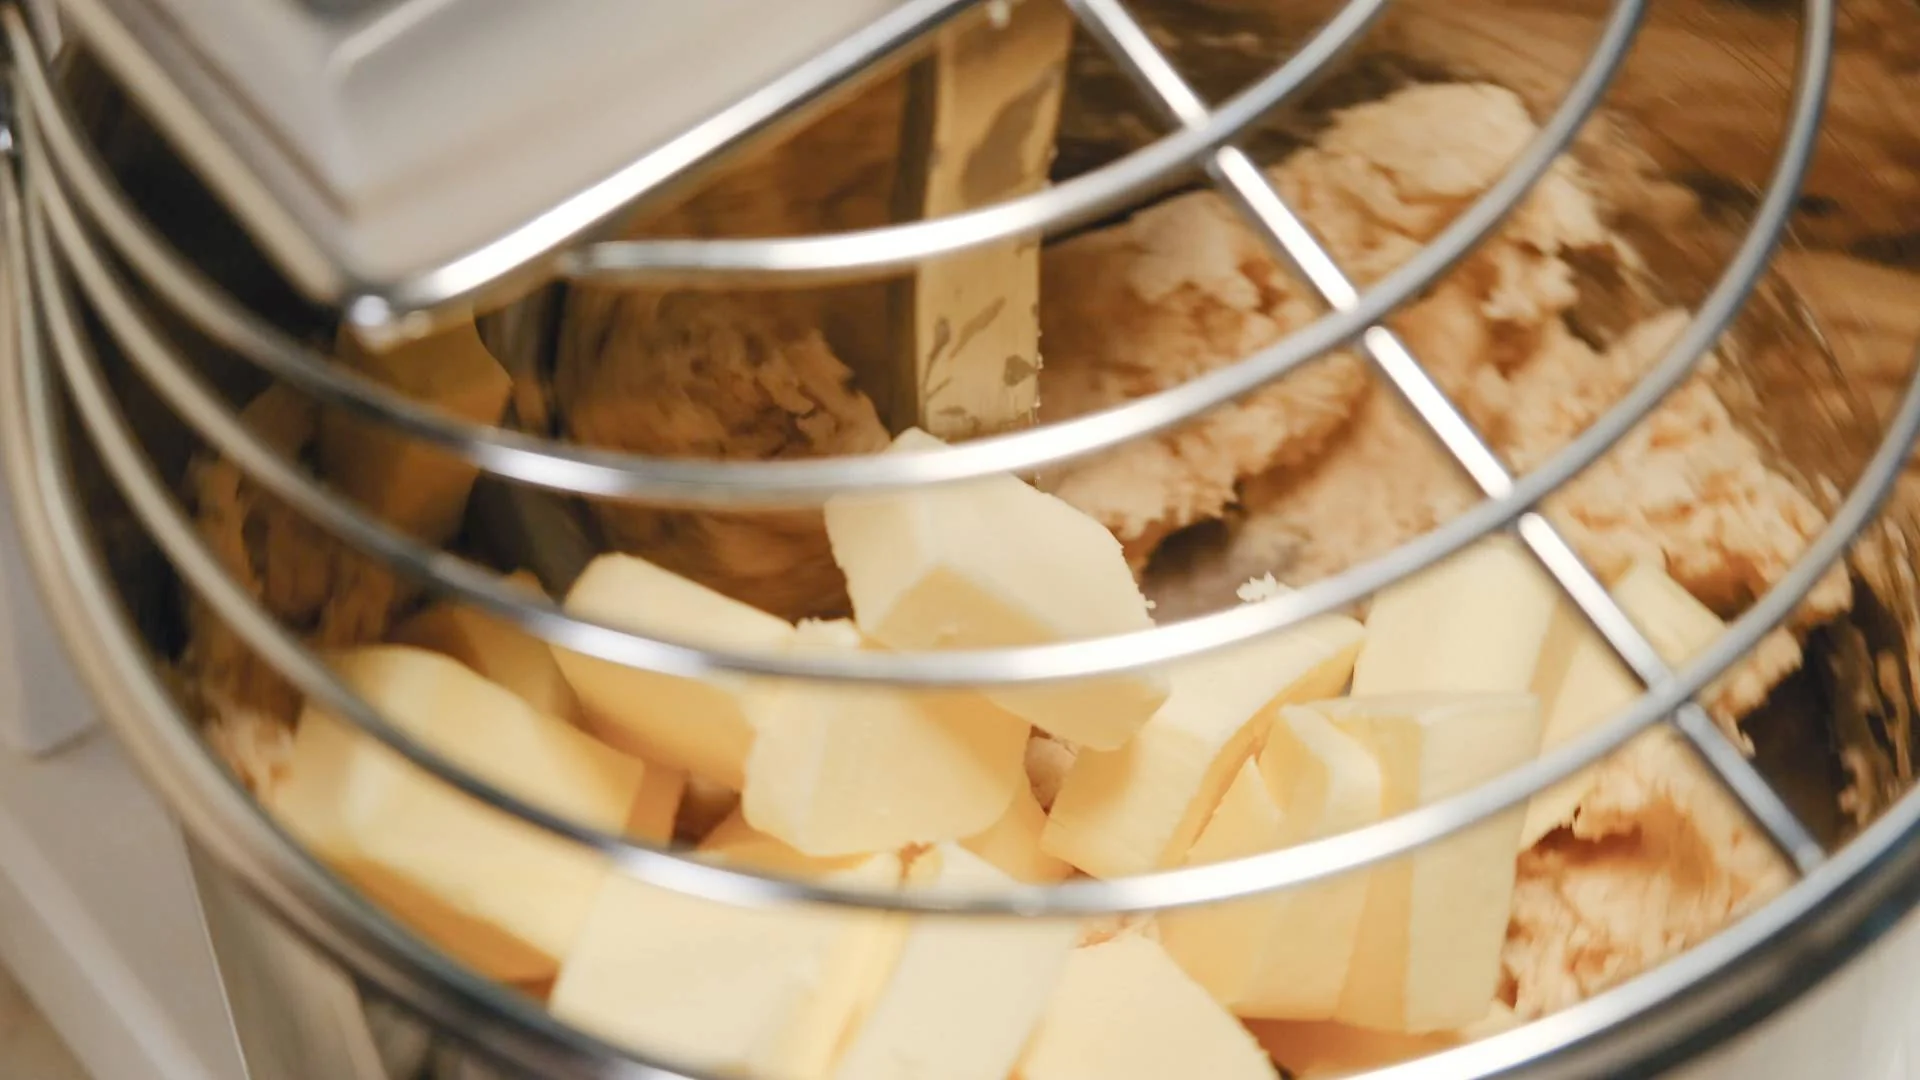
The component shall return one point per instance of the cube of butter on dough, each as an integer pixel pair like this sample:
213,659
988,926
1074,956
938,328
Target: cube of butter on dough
838,769
1472,624
1282,954
995,562
1428,953
966,994
489,888
1125,1011
1140,807
496,648
418,488
1012,844
698,726
1583,682
752,992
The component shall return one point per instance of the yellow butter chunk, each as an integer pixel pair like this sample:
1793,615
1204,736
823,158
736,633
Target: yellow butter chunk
1012,843
418,488
1140,807
750,992
842,769
966,994
651,818
490,889
1472,624
698,726
1428,954
497,649
1125,1011
1282,954
1584,683
735,841
995,562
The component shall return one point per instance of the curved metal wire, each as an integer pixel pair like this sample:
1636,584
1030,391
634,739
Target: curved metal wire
217,811
875,252
1165,889
395,955
217,422
582,470
445,574
470,584
1290,237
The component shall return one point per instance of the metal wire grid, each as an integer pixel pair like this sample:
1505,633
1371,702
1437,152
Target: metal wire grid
1123,37
54,155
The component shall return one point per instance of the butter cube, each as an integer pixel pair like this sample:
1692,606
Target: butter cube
994,562
966,994
1125,1011
651,818
489,888
735,841
841,769
1472,624
1012,844
698,726
1140,807
418,488
1428,955
497,649
1583,683
1282,954
759,992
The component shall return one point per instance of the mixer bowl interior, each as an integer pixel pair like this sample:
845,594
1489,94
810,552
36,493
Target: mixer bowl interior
1812,367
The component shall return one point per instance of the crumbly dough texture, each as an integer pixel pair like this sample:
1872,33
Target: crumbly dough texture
322,589
721,377
1342,471
1658,859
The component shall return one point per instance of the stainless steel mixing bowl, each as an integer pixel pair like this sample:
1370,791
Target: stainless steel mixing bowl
1723,99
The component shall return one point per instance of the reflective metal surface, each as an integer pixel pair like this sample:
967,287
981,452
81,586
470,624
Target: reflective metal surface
67,281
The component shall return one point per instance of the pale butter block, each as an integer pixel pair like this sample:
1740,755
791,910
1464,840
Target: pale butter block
653,813
698,726
1473,624
1012,844
994,562
1282,954
735,841
752,992
966,994
497,649
1140,807
1582,682
489,888
1428,954
842,769
416,487
1125,1011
